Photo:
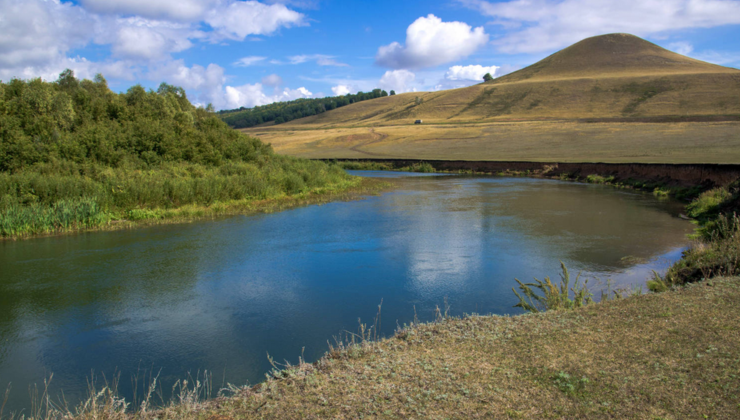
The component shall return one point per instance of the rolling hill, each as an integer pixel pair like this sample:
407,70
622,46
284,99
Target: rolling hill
612,97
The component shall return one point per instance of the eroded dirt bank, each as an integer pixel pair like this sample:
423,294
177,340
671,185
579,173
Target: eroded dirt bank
685,175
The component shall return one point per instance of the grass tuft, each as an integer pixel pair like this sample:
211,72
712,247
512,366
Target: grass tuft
553,297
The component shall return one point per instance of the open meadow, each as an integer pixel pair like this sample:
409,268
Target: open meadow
549,141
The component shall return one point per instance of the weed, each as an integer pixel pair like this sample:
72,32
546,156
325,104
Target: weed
598,179
569,384
553,297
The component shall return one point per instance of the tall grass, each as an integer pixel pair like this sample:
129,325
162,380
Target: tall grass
17,220
553,297
104,402
716,251
46,199
423,167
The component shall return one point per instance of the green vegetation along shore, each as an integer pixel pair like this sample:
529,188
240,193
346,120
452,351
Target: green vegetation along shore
74,155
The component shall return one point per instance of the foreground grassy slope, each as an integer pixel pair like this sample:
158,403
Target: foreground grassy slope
595,97
671,355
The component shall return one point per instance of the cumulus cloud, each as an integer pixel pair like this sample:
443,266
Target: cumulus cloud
272,80
341,90
238,19
398,80
34,33
251,95
37,35
206,82
544,25
153,9
140,38
431,42
472,72
463,76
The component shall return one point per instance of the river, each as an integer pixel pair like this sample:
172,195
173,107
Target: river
220,295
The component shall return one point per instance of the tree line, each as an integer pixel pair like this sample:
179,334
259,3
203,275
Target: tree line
281,112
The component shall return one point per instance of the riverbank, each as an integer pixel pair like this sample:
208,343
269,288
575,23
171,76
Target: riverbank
350,188
657,356
685,176
667,355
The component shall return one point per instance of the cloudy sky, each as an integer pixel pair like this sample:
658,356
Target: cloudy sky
235,53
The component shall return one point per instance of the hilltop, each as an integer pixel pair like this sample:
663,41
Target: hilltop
613,55
614,80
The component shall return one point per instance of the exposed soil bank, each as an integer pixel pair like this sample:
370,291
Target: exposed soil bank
684,175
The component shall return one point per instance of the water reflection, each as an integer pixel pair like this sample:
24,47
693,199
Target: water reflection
219,295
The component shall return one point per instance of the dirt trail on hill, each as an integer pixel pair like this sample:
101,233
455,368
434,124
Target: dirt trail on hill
377,137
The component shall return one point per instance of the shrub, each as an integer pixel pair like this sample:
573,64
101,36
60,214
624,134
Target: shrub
553,297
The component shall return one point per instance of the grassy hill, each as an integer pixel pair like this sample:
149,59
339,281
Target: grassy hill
604,85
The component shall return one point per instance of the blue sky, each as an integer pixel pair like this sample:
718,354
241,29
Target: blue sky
236,53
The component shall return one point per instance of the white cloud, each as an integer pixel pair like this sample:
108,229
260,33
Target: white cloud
272,80
472,72
244,96
683,48
321,59
205,82
185,10
208,85
330,62
249,61
462,76
35,33
251,95
341,90
140,38
549,25
398,80
239,19
431,42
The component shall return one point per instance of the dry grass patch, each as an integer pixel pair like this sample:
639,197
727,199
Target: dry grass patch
549,141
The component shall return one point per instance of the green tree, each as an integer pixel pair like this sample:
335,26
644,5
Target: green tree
487,77
67,80
393,92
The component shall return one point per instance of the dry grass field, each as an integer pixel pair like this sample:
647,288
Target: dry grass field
538,113
556,141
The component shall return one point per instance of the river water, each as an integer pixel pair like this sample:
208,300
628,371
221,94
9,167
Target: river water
220,295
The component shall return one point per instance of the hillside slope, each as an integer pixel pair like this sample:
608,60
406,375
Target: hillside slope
615,83
608,76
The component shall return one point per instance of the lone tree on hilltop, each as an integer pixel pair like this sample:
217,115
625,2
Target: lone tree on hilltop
393,92
487,77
